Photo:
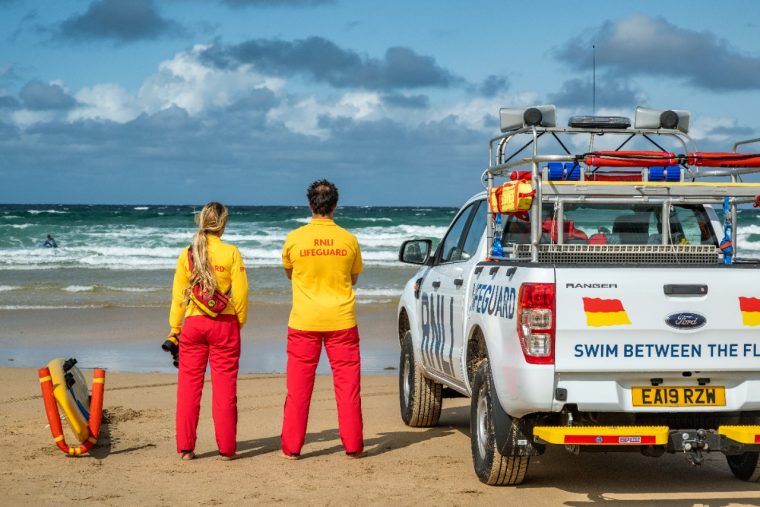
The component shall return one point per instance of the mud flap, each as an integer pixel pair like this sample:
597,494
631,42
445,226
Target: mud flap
513,436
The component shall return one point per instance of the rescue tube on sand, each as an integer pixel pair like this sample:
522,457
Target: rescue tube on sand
84,417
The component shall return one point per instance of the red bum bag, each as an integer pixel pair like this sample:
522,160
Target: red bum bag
210,304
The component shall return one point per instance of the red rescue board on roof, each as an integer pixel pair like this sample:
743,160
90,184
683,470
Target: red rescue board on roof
724,159
630,158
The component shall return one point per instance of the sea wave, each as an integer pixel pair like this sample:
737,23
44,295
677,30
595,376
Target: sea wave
8,288
79,288
51,211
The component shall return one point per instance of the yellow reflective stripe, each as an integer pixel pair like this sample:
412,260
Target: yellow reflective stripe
93,440
71,451
45,379
101,380
58,438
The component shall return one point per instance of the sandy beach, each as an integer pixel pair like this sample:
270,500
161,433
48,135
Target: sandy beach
135,460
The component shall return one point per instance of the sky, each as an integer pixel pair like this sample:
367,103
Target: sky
248,101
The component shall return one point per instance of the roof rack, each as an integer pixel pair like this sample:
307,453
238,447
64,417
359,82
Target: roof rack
616,176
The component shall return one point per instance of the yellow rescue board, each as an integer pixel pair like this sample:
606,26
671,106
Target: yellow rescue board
67,398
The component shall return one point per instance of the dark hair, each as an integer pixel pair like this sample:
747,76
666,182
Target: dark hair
323,197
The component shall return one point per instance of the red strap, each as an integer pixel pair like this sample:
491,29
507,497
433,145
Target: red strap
190,258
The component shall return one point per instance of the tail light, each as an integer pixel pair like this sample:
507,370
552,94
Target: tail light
535,322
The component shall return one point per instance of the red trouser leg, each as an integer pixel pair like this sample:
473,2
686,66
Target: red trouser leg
343,351
193,356
304,348
224,357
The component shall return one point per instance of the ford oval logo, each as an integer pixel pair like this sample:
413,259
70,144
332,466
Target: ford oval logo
686,320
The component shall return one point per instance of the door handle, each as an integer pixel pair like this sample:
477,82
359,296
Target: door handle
684,290
436,284
458,282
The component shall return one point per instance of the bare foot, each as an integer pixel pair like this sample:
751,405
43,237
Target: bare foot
284,455
187,456
357,455
222,457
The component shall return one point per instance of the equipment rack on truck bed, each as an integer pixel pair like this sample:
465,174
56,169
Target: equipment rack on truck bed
595,300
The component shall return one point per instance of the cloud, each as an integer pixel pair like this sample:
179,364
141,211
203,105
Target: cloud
118,20
610,92
277,3
493,85
39,96
323,61
651,46
406,101
8,102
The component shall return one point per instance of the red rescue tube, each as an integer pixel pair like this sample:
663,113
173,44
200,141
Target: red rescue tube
724,159
630,158
96,403
51,408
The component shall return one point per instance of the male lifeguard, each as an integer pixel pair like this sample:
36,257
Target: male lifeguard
323,261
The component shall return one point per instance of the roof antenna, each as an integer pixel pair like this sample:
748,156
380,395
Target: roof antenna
593,86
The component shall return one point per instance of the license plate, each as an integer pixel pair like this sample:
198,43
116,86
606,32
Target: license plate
664,396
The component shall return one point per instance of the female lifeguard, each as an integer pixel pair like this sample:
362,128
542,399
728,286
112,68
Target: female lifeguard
211,293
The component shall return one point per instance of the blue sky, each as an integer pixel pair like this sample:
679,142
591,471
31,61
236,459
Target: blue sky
247,101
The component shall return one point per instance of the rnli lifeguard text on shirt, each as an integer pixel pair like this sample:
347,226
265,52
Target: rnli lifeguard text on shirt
320,251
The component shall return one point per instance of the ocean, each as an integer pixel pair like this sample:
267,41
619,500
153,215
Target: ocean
124,256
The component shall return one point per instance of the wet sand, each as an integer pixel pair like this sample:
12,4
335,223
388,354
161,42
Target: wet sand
129,339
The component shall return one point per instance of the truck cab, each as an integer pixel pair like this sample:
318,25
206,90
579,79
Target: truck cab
595,300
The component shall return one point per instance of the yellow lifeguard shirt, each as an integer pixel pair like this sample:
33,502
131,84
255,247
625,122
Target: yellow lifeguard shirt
229,272
323,257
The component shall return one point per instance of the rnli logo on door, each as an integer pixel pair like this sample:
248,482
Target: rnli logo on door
685,320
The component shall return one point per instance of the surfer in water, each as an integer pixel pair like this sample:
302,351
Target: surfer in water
50,242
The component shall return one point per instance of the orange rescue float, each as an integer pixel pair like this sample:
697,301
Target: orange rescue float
63,385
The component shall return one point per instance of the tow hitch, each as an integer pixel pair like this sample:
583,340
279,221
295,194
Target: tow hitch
694,442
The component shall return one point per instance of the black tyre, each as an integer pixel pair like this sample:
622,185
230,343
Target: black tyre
745,466
419,396
491,466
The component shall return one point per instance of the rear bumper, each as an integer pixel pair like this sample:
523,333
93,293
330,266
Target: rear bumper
734,439
603,392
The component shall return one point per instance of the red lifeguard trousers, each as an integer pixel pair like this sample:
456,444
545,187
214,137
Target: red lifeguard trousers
216,341
304,348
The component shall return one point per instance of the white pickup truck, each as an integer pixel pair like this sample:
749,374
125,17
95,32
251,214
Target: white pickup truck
616,314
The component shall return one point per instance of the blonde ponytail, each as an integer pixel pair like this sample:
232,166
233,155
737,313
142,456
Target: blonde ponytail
211,220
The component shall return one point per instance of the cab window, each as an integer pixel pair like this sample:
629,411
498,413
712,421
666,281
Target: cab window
475,232
451,247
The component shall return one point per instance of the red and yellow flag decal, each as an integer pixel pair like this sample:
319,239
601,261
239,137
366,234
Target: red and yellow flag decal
750,308
604,312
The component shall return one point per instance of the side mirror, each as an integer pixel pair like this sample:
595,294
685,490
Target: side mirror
415,251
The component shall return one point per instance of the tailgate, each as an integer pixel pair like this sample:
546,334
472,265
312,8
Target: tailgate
649,318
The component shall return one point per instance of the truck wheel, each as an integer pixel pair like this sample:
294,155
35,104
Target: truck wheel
491,466
745,466
420,397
